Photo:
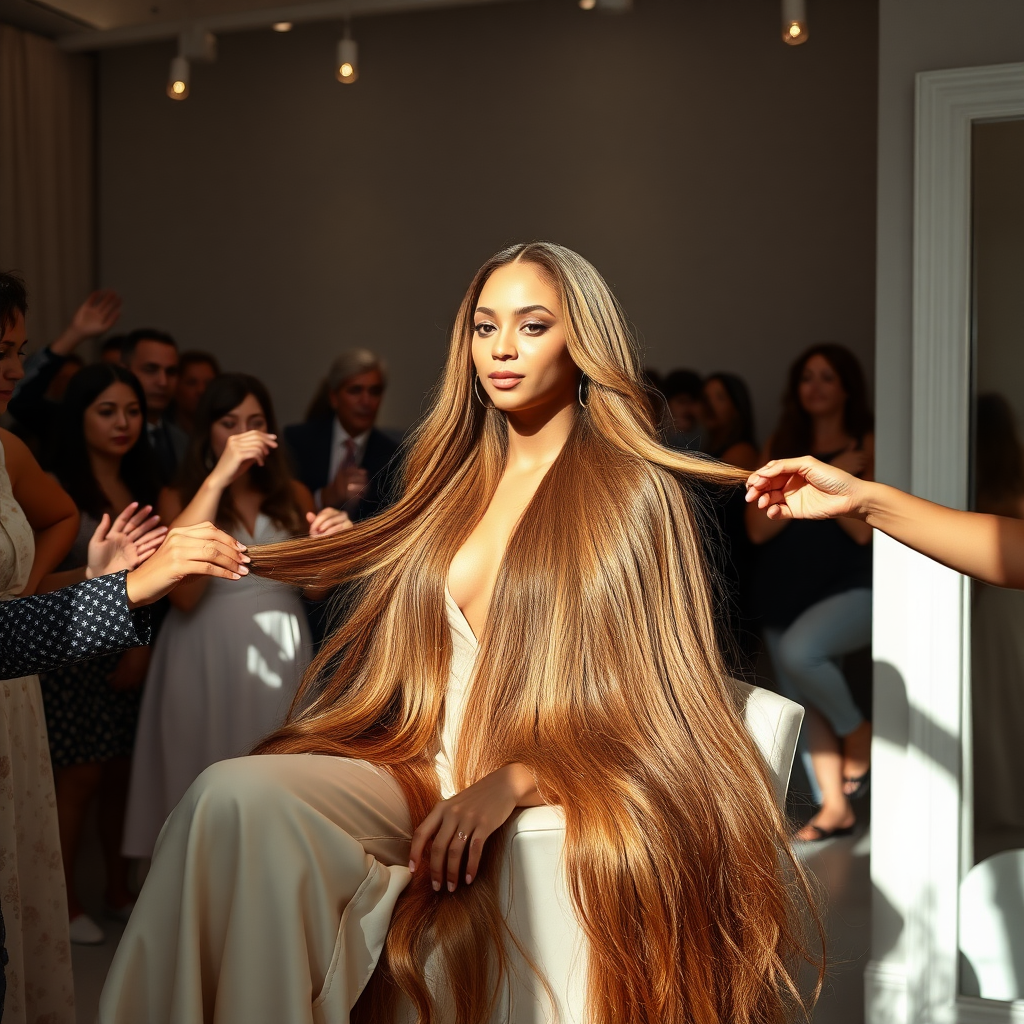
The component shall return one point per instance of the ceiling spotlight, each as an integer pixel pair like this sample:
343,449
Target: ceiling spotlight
346,66
588,5
282,26
177,83
194,44
794,22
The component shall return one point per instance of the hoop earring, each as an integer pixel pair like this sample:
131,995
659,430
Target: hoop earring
476,391
579,393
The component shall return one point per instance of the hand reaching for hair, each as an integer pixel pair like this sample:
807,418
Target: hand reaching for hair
805,488
124,543
189,551
458,827
327,521
240,453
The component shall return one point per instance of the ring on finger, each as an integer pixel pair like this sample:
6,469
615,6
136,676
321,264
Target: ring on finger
462,836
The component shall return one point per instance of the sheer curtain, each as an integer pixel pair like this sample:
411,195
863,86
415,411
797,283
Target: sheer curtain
46,176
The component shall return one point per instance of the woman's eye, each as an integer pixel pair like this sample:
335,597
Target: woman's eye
535,328
484,330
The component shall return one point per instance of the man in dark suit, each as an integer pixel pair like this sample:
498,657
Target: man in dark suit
152,356
339,455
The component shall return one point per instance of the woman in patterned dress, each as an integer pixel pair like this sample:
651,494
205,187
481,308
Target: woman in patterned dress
39,984
105,463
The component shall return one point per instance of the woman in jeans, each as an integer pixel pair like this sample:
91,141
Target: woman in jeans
813,582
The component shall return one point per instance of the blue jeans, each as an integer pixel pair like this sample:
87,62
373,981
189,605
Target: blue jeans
805,658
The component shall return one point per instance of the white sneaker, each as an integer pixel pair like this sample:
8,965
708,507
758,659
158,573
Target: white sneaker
84,931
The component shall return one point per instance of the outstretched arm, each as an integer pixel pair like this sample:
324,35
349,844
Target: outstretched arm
989,548
103,615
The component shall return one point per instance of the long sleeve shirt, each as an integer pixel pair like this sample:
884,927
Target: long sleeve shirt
77,622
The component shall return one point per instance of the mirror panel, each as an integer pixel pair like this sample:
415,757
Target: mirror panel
992,891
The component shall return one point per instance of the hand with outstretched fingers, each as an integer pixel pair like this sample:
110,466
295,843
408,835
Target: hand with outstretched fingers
97,314
124,543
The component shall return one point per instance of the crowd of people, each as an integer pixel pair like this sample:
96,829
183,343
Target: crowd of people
173,436
802,589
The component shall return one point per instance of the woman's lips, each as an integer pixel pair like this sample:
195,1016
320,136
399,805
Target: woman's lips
505,381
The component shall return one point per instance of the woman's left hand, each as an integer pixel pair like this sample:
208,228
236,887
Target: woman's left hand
327,521
457,828
126,543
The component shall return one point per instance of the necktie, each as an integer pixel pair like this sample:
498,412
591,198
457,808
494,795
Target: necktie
350,454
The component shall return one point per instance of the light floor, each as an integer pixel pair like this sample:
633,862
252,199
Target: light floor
839,865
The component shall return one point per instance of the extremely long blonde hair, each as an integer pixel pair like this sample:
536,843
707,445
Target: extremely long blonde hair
598,668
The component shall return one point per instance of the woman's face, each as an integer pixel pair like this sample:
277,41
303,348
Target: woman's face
519,348
113,422
719,410
12,354
821,392
247,415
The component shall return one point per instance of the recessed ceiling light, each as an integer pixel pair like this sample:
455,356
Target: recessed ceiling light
282,26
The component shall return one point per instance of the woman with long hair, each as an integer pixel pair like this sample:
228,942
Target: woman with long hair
229,657
814,615
102,458
530,622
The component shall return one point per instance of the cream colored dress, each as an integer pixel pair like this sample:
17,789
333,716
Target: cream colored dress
273,885
35,910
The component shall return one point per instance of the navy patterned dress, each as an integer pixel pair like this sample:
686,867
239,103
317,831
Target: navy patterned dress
87,720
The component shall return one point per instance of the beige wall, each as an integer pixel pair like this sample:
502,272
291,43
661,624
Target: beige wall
722,182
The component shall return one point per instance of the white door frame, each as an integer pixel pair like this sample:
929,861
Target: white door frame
917,982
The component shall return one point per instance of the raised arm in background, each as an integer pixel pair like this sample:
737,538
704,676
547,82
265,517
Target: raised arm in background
96,315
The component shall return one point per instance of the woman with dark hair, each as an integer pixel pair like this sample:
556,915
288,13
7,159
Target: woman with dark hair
102,458
228,660
728,419
819,611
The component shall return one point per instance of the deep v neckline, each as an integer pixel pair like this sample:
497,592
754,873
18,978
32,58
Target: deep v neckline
452,603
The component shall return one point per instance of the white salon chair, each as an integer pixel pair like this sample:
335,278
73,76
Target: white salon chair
535,901
991,936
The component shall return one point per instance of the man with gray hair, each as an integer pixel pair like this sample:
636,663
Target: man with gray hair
338,453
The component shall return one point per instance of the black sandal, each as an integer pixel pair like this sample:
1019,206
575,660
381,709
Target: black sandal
860,783
824,834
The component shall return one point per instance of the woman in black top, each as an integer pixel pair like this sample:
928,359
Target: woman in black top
813,581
